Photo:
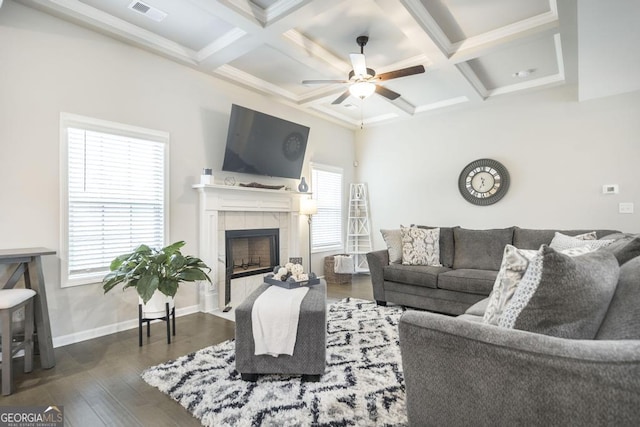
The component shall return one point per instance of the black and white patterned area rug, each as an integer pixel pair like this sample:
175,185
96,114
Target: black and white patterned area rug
362,384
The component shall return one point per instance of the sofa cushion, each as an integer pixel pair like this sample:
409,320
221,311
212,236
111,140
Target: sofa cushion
468,280
446,244
393,240
418,275
562,241
420,246
622,321
563,296
524,238
625,247
480,249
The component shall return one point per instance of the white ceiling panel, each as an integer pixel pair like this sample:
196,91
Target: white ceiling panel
429,88
337,29
462,19
497,69
276,68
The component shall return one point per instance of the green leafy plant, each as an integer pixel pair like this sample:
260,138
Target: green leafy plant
149,270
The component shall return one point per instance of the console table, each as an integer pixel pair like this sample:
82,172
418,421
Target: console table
29,266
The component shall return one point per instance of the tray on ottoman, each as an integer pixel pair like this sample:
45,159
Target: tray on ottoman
291,285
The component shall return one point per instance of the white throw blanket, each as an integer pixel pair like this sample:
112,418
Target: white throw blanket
274,318
343,264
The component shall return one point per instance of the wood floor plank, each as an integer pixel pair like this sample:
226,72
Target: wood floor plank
98,381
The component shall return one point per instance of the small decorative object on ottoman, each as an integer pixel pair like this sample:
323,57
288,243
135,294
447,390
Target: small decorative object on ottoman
308,358
331,276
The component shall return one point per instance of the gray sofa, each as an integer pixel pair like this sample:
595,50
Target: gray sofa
470,262
459,371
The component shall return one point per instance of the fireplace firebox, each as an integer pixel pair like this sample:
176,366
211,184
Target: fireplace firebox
250,252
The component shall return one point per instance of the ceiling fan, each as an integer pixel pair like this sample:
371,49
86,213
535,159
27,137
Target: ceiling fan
363,81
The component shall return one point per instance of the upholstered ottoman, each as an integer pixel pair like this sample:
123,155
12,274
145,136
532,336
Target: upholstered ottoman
308,357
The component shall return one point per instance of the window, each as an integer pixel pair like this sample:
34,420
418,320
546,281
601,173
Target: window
326,232
113,194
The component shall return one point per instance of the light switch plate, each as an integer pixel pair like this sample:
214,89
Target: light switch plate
610,189
625,208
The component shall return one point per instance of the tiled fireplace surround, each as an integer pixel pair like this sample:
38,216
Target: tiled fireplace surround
224,208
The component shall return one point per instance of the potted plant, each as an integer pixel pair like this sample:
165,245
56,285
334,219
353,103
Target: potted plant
148,270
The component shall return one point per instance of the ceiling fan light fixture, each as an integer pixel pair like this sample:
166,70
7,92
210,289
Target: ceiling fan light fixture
362,90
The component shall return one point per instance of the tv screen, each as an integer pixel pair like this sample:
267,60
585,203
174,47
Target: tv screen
261,144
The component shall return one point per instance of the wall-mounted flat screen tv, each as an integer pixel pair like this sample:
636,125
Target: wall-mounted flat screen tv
261,144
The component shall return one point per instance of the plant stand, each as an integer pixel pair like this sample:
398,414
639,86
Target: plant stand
152,311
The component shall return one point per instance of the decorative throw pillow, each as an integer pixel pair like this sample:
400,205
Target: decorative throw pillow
393,240
514,264
562,241
587,236
420,246
563,296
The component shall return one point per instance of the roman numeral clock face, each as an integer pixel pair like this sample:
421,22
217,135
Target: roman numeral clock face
483,182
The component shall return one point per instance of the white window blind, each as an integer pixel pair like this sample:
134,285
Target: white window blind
326,232
115,200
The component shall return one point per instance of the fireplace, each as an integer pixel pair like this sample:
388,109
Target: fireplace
250,252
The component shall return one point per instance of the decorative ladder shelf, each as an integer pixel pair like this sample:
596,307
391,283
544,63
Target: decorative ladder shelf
359,231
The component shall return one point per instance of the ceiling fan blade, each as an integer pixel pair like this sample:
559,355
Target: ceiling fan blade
322,82
341,98
387,93
359,64
409,71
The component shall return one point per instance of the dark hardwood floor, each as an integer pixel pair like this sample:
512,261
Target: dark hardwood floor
98,381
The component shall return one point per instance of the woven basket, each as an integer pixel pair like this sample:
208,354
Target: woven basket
332,277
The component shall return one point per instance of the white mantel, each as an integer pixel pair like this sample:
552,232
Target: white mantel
216,200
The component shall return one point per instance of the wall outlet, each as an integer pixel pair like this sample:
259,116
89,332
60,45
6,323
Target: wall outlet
610,189
625,208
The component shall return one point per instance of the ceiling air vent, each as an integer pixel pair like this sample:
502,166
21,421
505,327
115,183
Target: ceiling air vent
148,11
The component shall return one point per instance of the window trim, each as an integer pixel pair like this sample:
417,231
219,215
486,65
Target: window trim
89,123
333,169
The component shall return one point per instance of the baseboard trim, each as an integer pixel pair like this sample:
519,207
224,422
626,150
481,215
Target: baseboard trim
111,329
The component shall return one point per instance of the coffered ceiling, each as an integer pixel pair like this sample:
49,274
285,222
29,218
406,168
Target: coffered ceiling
472,49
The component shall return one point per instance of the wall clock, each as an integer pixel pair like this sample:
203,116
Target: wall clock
483,182
293,146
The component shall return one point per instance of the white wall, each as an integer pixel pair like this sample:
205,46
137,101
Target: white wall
559,153
48,66
608,54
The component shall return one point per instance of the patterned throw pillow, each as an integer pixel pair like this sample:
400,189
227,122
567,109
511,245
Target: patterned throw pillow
562,241
420,246
587,236
515,263
563,296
